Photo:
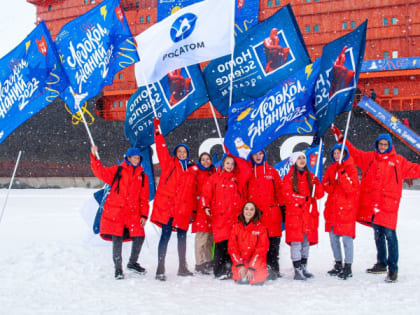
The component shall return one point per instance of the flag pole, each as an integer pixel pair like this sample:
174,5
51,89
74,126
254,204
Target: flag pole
316,171
345,136
10,185
217,126
87,128
231,57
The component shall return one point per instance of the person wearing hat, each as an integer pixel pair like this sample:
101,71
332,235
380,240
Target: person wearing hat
381,187
126,208
341,182
301,212
175,200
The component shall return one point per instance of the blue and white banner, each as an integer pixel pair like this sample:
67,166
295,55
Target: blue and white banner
340,68
264,55
311,154
391,123
390,64
93,48
286,109
31,77
174,97
197,33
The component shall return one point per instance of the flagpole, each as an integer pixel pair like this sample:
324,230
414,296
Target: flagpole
345,136
10,186
316,171
217,126
231,61
87,128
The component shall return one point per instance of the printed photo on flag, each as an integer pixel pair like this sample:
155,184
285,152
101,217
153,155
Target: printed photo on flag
93,48
339,73
194,34
174,97
31,77
267,53
286,109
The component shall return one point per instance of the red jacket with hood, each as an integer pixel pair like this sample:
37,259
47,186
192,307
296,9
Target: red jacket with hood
126,204
299,221
343,196
382,182
202,222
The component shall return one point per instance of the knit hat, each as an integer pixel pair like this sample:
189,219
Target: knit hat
295,155
132,152
186,148
384,136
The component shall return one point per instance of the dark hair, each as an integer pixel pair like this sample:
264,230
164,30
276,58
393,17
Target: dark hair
203,154
255,218
226,157
295,179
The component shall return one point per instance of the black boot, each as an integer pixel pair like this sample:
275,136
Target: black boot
377,268
183,270
346,272
298,271
338,267
160,272
202,269
119,274
306,273
137,268
392,276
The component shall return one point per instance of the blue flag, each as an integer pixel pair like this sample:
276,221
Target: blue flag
31,77
286,109
264,55
311,154
93,48
175,97
340,67
147,164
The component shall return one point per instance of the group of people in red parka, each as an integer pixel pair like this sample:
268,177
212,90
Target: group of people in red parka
239,208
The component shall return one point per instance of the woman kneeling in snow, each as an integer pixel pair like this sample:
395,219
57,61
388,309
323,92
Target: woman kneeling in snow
248,246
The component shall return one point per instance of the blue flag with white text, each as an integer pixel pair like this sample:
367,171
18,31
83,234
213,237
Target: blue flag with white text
264,55
340,68
311,154
175,97
286,109
31,77
93,48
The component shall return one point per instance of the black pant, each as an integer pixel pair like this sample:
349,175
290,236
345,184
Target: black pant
117,242
222,262
273,253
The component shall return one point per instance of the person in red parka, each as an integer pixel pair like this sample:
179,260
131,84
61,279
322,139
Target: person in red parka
175,200
381,187
222,198
301,212
248,246
126,208
264,189
202,222
341,182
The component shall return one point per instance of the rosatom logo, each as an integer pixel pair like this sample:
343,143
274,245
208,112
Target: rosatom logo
183,27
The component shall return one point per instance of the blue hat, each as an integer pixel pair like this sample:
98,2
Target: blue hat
131,152
182,145
384,136
339,146
263,160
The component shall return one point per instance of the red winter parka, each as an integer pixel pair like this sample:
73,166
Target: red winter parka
126,204
264,189
381,184
248,246
176,195
343,198
202,222
224,194
299,221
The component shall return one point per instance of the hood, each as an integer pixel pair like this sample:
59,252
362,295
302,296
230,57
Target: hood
182,145
339,146
262,162
384,136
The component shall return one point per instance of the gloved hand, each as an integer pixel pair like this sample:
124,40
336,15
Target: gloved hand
156,123
337,134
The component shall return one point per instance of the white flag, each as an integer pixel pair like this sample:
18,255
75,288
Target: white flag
194,34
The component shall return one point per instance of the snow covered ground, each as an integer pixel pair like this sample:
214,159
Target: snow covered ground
50,263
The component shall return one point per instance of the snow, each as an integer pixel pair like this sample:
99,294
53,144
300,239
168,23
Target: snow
51,263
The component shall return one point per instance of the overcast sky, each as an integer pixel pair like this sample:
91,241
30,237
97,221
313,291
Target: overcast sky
17,20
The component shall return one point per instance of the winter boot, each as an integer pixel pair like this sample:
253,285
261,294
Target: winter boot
183,270
160,272
346,272
338,267
119,274
272,275
392,276
306,273
377,268
208,266
137,268
298,271
160,277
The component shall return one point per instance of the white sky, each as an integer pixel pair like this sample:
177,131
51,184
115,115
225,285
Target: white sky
17,20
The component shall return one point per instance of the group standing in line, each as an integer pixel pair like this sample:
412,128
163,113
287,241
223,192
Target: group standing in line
240,207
